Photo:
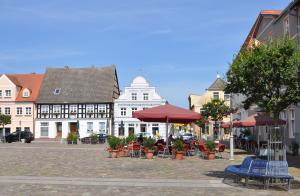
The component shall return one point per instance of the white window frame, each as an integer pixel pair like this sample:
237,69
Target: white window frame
44,125
133,96
73,109
7,93
44,109
215,94
56,109
19,110
28,111
101,108
133,109
292,123
89,127
123,111
7,110
26,93
227,97
102,127
145,96
89,108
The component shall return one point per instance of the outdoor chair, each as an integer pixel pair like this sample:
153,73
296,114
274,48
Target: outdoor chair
163,152
220,149
134,150
203,151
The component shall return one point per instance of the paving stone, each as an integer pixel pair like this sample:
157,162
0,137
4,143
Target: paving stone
82,167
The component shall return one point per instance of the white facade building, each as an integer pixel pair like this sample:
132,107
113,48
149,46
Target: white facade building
140,95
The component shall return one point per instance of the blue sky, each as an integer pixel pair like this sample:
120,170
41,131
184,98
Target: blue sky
177,45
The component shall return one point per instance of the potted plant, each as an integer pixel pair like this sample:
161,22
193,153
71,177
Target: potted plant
114,143
210,145
130,138
123,151
72,138
149,147
178,145
94,138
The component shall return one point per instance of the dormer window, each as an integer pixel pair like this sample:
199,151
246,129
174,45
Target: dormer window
26,93
57,91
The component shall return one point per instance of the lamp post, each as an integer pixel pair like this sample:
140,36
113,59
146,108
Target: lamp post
231,132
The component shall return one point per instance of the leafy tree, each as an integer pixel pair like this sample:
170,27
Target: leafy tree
202,122
215,110
268,75
4,120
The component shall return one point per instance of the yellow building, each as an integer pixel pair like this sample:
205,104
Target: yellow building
196,102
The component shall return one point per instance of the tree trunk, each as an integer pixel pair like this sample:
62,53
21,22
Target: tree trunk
277,135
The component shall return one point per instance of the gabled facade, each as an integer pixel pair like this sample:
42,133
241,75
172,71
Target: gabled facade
18,94
196,102
76,100
138,96
272,24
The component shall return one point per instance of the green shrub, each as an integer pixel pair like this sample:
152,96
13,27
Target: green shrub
94,137
210,145
72,137
178,145
149,143
130,138
113,142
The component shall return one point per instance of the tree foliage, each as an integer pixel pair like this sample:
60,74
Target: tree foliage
5,120
215,110
268,75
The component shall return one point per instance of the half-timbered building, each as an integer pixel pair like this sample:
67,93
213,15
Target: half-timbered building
76,100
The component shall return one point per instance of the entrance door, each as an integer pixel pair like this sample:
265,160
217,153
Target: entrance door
58,129
143,128
73,127
131,131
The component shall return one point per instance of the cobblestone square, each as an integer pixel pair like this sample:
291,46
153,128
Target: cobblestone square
51,168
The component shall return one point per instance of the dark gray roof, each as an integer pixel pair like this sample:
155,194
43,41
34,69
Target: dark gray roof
79,85
218,85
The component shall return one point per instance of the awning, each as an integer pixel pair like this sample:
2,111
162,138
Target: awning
258,119
167,113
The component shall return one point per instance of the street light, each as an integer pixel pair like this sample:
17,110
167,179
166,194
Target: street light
231,132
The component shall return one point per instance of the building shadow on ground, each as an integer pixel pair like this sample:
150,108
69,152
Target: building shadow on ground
252,184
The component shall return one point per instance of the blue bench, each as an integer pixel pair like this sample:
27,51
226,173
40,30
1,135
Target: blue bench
261,169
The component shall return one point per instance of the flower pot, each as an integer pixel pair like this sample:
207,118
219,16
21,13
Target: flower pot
210,155
125,151
179,155
114,154
149,154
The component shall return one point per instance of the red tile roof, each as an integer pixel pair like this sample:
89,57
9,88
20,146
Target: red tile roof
32,82
271,12
252,34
